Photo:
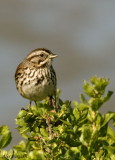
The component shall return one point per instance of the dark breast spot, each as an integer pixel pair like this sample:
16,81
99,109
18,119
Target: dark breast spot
39,80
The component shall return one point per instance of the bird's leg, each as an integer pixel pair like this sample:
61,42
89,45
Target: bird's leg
35,103
53,103
30,103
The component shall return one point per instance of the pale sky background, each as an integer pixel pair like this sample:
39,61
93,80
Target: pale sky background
81,32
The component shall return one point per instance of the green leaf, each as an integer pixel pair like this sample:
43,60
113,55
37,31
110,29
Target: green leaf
110,149
75,149
10,154
22,113
5,136
43,132
61,128
76,113
83,107
75,104
3,155
20,122
36,155
95,103
98,121
110,136
58,93
89,89
86,134
97,88
108,96
99,83
83,99
65,122
107,117
21,146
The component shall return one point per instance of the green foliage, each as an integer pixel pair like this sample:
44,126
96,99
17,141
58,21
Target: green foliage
5,136
77,131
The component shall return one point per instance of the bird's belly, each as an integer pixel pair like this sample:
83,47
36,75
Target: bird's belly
37,92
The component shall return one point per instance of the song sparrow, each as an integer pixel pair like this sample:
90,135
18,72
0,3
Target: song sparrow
35,77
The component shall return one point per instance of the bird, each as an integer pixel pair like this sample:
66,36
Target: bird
35,76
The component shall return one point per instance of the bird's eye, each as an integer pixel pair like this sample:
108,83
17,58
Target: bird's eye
41,55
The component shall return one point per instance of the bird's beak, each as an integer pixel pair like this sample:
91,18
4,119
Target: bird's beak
53,56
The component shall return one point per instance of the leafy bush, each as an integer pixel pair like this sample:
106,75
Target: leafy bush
77,131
